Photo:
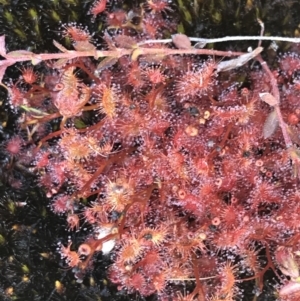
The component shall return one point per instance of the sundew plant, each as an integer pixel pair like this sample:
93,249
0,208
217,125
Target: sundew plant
149,139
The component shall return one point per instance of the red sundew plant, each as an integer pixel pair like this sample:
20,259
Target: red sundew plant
14,145
186,176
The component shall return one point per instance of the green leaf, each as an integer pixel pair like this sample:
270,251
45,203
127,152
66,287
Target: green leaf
79,124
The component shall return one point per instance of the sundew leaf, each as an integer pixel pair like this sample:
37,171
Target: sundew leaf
126,42
84,46
270,125
109,41
294,134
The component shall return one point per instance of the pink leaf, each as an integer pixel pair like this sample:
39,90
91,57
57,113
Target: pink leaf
84,46
289,289
181,41
18,54
59,46
124,41
106,63
3,65
270,125
2,72
2,45
294,134
269,99
239,61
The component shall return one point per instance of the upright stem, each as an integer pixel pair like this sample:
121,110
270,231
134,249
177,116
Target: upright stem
276,94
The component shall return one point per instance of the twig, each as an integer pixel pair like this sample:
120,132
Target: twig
191,279
227,39
262,30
